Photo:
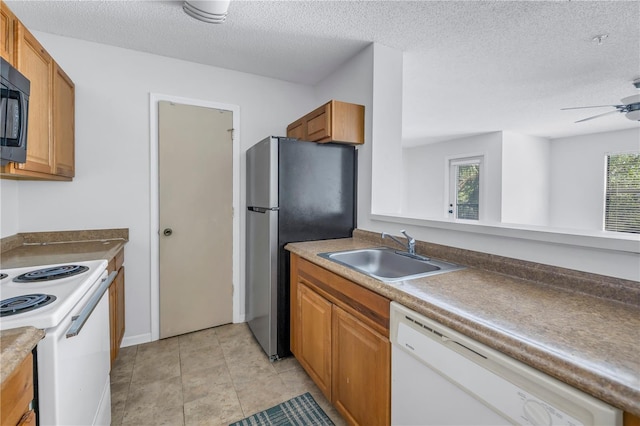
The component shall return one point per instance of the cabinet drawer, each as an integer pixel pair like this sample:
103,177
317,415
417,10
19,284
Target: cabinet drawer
116,261
369,307
119,259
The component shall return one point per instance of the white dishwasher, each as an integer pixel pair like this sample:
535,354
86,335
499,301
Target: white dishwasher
441,377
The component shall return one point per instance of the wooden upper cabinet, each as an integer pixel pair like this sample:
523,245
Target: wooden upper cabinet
7,29
51,129
334,121
318,123
37,65
63,123
296,130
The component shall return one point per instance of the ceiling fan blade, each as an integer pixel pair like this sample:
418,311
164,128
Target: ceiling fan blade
633,99
594,106
596,116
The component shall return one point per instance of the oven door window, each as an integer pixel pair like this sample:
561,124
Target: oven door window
10,114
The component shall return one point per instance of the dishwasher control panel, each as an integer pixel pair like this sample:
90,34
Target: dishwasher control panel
466,373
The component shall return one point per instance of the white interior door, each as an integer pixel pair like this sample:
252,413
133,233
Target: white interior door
196,212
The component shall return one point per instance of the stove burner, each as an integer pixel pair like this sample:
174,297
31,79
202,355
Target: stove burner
53,273
25,303
3,276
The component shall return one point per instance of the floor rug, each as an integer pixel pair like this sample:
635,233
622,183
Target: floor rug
302,410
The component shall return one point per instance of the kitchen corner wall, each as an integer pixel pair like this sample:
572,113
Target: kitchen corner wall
353,82
111,188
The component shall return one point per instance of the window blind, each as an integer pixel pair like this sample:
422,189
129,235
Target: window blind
622,198
468,189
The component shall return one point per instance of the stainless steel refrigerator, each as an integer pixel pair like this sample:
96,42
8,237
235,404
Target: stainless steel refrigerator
296,191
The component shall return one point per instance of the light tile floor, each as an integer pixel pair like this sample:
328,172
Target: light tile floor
211,377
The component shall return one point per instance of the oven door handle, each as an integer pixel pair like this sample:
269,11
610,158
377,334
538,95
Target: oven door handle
78,321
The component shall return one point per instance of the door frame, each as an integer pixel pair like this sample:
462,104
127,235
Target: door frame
154,214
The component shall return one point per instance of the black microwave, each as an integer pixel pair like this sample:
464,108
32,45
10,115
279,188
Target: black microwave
14,113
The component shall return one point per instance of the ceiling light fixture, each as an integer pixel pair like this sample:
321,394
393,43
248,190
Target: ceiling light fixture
211,11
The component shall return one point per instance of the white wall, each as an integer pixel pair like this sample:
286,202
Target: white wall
111,187
426,171
386,135
525,179
8,207
353,82
578,171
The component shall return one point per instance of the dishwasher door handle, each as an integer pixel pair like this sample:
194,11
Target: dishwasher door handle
78,321
446,339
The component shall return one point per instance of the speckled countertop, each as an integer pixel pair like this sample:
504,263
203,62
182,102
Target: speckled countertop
46,248
588,341
15,345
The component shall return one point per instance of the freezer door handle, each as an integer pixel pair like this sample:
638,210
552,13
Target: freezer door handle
262,209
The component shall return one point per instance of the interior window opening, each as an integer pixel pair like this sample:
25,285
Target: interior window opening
464,197
622,193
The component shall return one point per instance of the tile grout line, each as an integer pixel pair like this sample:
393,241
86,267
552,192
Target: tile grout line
129,383
233,383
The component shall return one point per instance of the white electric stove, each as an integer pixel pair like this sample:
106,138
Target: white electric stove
70,303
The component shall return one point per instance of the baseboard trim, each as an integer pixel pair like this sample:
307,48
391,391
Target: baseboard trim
135,340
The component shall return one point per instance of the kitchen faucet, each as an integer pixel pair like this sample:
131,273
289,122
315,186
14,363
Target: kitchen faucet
411,242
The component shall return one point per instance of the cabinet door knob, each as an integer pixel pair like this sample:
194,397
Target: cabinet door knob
167,232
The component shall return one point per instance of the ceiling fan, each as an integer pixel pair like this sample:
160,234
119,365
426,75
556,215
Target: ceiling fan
630,106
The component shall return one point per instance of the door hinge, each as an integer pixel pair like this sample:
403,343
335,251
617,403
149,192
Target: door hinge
232,131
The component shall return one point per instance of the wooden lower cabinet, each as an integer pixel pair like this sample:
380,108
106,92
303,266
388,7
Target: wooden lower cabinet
116,304
16,395
630,419
361,371
314,353
340,336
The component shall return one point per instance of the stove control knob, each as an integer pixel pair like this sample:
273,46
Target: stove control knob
167,232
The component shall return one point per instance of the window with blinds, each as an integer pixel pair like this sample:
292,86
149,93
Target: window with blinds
622,197
465,188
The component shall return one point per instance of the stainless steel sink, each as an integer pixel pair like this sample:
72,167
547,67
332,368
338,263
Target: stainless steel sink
390,265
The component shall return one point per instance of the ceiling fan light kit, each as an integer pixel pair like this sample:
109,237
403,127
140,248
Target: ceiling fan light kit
630,106
210,11
634,115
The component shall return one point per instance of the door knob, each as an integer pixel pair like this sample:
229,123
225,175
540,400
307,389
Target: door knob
167,232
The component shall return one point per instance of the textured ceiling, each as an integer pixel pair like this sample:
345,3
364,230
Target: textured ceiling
470,66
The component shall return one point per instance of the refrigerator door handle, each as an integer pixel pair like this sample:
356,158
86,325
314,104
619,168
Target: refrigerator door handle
262,209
